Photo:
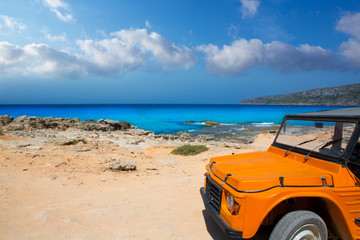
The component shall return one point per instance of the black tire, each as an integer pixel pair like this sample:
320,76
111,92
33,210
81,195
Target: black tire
300,225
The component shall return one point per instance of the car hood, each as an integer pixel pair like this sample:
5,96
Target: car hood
263,170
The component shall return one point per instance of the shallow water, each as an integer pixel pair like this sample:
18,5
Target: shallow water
235,119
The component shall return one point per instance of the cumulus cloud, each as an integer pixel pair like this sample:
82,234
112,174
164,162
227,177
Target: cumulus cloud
243,54
127,50
305,57
112,55
44,60
9,24
60,8
233,59
40,60
350,50
11,56
249,7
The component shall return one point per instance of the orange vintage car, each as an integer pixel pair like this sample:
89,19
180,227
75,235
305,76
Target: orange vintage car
305,186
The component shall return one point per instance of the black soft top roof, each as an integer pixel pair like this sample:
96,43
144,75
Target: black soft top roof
345,113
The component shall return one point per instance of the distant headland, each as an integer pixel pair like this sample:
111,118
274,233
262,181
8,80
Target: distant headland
348,95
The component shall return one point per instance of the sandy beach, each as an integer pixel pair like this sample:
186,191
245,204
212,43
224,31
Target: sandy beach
52,187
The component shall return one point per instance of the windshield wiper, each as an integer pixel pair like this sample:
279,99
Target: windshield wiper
302,143
322,146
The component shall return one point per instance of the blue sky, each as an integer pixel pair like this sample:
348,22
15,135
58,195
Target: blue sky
178,51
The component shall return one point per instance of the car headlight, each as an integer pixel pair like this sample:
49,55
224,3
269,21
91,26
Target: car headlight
233,206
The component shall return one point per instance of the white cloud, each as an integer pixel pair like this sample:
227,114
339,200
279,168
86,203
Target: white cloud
288,58
243,54
350,24
233,31
147,24
9,24
10,56
60,8
132,47
40,60
249,7
112,55
60,38
234,59
65,17
46,61
350,50
101,32
128,50
56,3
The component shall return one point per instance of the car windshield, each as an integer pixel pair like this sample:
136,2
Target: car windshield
325,137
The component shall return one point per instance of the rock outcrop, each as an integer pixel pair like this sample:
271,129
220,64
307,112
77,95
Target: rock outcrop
122,166
211,123
28,123
5,120
36,127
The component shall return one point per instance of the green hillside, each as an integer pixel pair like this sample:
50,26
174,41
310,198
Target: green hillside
348,95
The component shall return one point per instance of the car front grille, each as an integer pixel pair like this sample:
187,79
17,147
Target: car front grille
213,193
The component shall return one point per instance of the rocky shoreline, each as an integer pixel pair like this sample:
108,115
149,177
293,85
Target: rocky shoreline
30,123
67,129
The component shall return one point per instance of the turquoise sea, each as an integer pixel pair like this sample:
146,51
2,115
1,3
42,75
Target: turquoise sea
170,118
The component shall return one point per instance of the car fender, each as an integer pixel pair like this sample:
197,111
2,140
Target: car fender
258,208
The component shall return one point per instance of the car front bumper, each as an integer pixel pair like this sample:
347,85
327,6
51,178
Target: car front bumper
216,217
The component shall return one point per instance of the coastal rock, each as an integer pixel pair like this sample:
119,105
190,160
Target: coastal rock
211,123
30,123
91,125
184,136
162,136
5,120
22,145
103,125
34,147
205,138
145,133
18,123
122,166
31,154
25,122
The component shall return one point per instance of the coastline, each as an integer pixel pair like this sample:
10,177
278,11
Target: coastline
210,132
57,183
167,118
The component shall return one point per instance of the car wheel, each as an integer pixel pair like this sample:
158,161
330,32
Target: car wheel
300,225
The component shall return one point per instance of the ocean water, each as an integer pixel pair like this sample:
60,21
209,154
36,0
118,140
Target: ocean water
171,119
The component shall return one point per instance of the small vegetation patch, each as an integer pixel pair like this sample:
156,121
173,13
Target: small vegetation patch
189,150
1,132
14,130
